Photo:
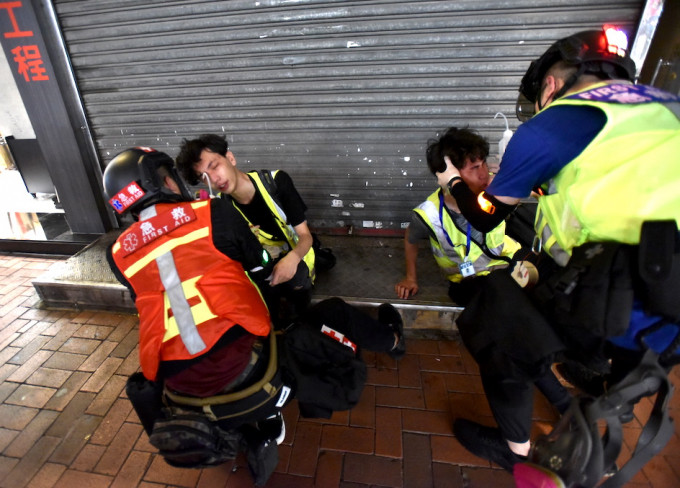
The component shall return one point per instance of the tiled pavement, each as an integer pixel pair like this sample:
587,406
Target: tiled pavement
65,420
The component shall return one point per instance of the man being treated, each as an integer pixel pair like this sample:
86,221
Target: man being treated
461,251
269,202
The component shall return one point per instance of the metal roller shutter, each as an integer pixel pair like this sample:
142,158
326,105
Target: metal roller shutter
341,94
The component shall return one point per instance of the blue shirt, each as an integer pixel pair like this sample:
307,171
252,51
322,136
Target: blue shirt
542,146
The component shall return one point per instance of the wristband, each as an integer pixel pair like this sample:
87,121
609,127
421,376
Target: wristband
453,180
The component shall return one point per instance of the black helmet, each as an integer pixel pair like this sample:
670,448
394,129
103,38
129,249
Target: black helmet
600,52
132,180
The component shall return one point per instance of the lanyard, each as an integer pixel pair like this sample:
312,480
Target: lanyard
446,234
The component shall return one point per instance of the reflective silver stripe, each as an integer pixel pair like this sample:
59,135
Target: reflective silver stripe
433,216
178,303
147,213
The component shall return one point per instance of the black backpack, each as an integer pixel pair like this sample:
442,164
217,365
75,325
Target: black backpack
190,440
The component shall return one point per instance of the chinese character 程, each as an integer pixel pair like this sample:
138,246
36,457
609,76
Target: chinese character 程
30,63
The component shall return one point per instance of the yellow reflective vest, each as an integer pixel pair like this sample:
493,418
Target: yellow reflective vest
263,184
450,243
628,174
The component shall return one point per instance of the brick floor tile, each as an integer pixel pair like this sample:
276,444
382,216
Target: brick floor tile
422,346
73,411
6,437
162,472
463,383
363,414
7,370
435,392
340,417
16,417
31,433
498,478
83,316
30,464
133,470
48,475
108,318
61,331
54,378
328,470
381,376
6,465
10,332
6,389
119,449
75,439
280,480
64,360
409,372
305,449
67,391
108,394
469,406
444,364
216,477
347,439
112,422
446,449
285,451
29,345
29,367
143,444
31,396
127,345
102,375
427,422
43,315
399,397
7,353
9,316
88,457
95,360
659,472
91,331
449,348
388,428
123,328
417,461
77,345
72,478
130,364
12,306
448,476
373,470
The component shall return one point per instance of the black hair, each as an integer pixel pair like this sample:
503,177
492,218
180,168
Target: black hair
459,145
190,154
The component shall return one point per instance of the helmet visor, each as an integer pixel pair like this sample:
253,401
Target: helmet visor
524,108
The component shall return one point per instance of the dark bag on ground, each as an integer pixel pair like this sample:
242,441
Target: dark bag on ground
190,440
328,375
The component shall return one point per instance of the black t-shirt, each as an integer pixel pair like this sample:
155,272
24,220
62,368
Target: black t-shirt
258,213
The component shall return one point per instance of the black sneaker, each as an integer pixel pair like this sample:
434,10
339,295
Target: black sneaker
273,427
389,316
486,442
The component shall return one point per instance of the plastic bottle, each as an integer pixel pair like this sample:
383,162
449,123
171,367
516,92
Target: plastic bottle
507,134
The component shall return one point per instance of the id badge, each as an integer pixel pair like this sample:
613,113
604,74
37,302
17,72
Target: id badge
466,269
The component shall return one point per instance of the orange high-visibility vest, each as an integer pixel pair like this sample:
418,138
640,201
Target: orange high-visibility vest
188,292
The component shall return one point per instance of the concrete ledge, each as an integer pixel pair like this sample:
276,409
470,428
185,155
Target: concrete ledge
365,274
